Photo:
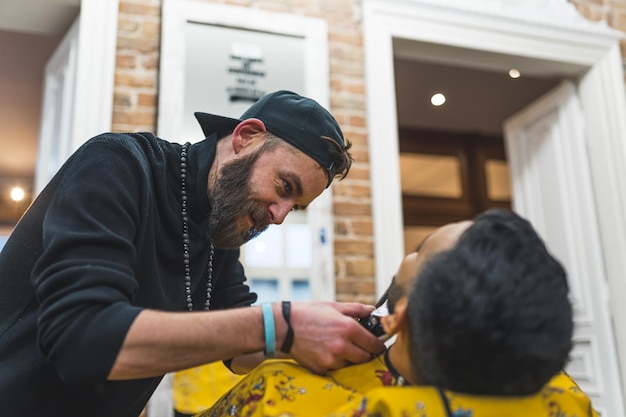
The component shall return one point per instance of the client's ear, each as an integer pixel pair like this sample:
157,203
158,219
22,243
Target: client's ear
396,322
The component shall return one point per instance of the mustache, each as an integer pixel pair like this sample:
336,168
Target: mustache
254,232
259,217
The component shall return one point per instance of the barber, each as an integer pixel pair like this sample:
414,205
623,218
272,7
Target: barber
126,265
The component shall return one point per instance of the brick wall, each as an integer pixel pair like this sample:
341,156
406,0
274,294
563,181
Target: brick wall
136,72
135,109
612,12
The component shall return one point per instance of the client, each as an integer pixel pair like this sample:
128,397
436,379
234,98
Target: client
483,326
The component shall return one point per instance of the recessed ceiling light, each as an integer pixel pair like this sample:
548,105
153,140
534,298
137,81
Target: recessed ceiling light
438,99
17,194
514,73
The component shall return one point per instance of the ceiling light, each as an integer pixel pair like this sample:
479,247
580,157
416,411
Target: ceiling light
514,73
438,99
17,194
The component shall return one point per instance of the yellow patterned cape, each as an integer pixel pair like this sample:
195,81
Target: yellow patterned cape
198,388
560,398
285,389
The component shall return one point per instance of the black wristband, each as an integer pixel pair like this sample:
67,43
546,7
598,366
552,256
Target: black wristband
286,346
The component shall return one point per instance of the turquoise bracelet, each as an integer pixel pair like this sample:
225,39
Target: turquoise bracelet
270,331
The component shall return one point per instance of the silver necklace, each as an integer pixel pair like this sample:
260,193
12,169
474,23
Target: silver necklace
186,256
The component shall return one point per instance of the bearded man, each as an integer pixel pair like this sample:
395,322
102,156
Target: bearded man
106,281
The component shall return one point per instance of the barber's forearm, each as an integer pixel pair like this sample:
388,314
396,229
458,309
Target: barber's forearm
160,342
327,336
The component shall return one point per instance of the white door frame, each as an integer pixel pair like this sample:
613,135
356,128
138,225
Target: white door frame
78,87
548,32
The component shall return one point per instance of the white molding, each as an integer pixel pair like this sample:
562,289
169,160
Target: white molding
57,108
602,94
550,14
78,90
95,75
495,27
383,147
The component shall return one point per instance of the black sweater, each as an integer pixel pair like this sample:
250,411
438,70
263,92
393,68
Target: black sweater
102,241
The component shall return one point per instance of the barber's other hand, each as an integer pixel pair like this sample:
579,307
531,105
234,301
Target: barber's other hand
327,335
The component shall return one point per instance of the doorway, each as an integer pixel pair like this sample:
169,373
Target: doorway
547,40
452,156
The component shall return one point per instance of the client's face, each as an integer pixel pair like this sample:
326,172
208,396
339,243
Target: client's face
442,239
402,280
407,270
397,322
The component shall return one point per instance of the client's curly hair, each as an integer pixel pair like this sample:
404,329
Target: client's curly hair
492,315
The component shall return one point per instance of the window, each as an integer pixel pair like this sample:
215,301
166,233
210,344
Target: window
278,261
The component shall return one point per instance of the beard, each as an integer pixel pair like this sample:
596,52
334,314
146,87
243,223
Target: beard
232,202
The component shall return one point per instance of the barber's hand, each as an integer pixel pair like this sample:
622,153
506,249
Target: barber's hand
327,335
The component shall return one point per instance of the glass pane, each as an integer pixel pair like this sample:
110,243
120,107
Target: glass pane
300,290
414,235
430,175
266,289
498,180
299,245
265,250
